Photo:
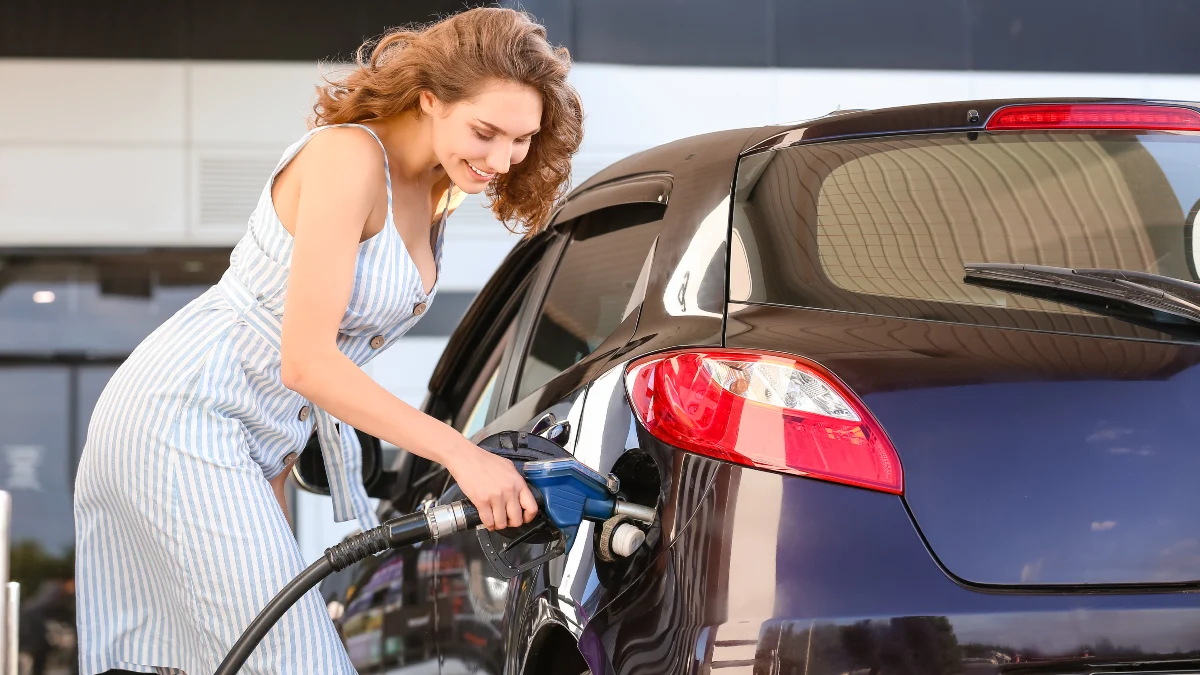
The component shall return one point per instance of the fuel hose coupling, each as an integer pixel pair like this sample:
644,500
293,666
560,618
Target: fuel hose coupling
446,519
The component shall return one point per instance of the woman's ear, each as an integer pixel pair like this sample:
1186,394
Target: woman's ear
429,102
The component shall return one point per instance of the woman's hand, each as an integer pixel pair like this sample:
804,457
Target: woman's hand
493,485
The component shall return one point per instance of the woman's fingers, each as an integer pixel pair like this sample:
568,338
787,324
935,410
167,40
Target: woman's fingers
485,515
529,504
500,518
513,504
497,490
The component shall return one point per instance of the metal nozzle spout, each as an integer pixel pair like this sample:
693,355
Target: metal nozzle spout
645,514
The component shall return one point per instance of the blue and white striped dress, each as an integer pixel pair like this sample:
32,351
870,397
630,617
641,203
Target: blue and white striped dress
179,539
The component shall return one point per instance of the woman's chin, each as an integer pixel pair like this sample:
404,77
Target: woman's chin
471,187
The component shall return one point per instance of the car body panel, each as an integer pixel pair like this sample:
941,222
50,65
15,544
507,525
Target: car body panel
753,573
1030,457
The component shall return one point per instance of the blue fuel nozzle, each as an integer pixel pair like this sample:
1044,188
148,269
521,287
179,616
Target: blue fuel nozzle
568,492
571,492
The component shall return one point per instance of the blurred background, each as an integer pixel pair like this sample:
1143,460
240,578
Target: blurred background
136,136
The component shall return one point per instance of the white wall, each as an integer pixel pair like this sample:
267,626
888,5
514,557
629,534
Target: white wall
172,152
169,151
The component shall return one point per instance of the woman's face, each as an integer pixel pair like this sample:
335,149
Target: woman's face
479,138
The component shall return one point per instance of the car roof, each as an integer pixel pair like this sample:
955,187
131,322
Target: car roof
969,115
670,158
923,118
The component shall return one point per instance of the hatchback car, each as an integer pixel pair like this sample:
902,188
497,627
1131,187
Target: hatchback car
913,391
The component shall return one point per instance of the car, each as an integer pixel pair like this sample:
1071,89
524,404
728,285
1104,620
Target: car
912,391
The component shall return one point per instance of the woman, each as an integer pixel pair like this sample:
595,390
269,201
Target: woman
181,532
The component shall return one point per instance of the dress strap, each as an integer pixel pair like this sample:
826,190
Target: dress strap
439,237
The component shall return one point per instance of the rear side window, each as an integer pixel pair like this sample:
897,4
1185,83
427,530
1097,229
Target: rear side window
885,226
590,293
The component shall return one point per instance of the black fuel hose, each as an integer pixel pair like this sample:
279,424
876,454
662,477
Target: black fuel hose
396,533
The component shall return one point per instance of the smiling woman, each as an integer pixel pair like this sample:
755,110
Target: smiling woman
181,526
519,104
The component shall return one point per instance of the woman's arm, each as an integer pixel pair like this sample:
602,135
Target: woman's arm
341,179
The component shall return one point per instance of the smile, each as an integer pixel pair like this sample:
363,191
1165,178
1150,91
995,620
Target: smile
481,174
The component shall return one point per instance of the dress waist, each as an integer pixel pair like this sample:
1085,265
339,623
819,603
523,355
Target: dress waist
339,444
246,304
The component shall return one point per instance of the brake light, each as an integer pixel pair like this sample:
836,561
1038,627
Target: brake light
1094,116
770,411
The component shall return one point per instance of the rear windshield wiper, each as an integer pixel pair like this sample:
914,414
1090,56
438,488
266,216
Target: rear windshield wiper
1141,289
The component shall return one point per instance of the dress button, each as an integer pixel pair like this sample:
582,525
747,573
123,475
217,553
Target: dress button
304,414
419,309
289,458
377,342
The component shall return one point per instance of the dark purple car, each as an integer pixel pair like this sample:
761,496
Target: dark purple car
914,392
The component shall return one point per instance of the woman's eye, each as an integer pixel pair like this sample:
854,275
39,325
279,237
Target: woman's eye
524,141
482,137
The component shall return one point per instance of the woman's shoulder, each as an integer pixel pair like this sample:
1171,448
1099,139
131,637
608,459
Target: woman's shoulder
343,154
344,143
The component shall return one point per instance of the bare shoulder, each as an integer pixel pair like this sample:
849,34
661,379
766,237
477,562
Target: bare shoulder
345,152
336,177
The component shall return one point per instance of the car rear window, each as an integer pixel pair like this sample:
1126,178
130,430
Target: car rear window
885,226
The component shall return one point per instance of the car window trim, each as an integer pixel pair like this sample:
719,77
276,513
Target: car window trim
645,188
652,187
491,369
480,317
527,288
517,365
514,357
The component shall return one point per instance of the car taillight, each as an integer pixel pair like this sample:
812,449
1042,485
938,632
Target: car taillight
770,411
1094,116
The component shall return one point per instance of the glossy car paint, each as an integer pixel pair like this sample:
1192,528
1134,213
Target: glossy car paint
1030,458
848,584
750,571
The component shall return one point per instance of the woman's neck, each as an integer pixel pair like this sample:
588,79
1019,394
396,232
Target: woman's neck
409,144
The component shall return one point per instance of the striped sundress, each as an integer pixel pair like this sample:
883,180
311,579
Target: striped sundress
179,538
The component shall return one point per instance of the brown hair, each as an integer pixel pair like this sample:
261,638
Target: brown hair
451,59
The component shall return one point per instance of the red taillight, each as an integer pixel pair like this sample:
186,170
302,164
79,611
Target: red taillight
1094,116
764,410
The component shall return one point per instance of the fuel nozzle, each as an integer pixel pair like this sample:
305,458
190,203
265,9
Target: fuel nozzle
568,492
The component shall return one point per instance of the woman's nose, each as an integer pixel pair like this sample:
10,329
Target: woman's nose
500,159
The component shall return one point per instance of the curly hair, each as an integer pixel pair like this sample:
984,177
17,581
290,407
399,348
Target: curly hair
453,58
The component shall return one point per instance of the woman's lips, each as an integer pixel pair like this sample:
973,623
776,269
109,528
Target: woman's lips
481,175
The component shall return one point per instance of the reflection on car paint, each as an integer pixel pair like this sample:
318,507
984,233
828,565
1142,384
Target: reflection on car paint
701,269
708,600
